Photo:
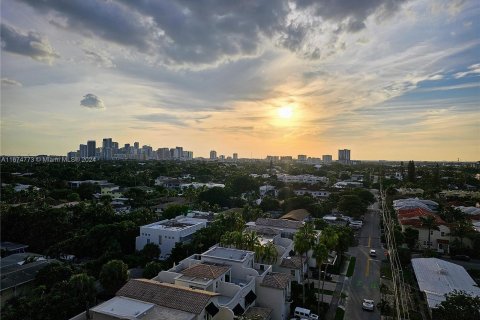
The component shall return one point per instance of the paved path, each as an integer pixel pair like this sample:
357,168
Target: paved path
365,282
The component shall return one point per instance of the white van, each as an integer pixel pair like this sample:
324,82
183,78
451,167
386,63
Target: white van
303,313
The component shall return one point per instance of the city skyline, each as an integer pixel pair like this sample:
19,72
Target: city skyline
392,80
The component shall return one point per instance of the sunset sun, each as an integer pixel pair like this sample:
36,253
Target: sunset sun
285,112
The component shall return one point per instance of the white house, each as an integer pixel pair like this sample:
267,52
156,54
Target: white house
303,178
239,282
313,193
167,233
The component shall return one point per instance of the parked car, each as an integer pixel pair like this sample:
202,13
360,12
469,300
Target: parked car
305,314
462,257
368,304
328,277
373,253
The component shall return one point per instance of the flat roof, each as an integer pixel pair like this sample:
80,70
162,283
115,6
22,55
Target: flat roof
176,224
124,307
12,246
227,253
437,277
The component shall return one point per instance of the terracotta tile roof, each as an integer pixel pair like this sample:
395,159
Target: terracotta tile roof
279,223
167,295
203,270
262,313
276,280
412,217
296,215
292,262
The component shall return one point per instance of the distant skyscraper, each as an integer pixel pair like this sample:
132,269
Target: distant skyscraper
72,155
136,145
163,153
344,155
91,148
83,149
327,158
302,157
107,148
235,156
213,155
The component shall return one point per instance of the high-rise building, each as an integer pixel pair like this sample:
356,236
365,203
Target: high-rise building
72,155
91,148
302,157
327,158
83,149
163,153
178,153
136,145
344,155
213,155
235,156
107,149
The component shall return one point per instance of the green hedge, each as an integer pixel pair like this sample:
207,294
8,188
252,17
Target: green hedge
351,266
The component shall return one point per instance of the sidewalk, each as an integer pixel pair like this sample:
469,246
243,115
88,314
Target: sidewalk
337,295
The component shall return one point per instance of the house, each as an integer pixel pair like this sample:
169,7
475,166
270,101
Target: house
312,193
287,228
237,279
167,233
304,178
437,277
9,248
439,239
152,300
18,273
297,215
268,190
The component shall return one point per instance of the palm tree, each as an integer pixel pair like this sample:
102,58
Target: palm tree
329,238
269,253
460,229
320,252
250,240
430,223
302,242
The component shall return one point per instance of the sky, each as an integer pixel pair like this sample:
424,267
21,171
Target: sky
390,80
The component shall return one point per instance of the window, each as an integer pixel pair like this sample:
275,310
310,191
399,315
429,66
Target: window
442,233
292,272
431,232
159,240
148,241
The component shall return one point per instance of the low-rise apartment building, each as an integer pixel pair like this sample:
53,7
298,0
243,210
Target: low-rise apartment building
167,233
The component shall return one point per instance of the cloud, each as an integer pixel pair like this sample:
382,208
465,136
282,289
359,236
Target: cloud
100,59
10,82
181,121
92,101
473,69
30,44
206,33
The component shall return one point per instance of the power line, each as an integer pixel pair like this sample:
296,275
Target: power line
401,295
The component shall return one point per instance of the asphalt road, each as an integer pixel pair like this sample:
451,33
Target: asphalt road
365,282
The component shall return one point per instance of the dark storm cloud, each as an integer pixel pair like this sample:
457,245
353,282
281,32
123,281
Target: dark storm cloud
92,101
206,32
109,20
29,44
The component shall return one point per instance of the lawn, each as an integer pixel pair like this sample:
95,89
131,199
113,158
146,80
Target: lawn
351,266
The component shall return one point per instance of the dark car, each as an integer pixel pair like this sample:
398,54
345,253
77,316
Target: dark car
328,277
461,257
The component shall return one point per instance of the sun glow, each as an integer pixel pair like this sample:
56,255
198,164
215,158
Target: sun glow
285,112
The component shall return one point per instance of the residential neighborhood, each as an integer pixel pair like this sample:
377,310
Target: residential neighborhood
243,240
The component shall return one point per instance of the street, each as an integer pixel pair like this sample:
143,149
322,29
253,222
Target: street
364,284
